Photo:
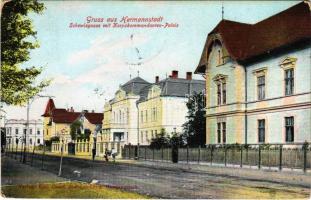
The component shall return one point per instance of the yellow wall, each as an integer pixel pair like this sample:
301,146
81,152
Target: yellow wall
152,124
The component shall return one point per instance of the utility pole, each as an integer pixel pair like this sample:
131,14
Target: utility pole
63,132
29,102
26,132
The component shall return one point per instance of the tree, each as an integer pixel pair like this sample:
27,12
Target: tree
160,141
75,129
18,37
194,130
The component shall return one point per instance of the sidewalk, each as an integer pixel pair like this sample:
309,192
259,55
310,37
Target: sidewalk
287,177
15,173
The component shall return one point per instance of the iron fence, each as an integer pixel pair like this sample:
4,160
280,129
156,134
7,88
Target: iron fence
268,156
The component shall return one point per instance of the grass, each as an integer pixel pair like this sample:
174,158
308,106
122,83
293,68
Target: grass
67,190
267,193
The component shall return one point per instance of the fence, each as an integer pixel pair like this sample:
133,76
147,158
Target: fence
271,156
84,147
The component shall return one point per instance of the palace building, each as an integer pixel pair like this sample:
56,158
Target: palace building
140,110
258,87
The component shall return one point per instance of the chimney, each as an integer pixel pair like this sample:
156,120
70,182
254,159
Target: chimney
85,111
157,79
93,111
71,109
189,75
174,74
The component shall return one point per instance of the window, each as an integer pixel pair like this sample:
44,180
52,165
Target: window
120,116
218,132
38,141
261,87
221,93
261,130
30,141
289,129
142,136
16,131
141,116
38,132
146,112
152,134
25,131
289,81
156,133
218,94
146,136
224,132
30,131
221,132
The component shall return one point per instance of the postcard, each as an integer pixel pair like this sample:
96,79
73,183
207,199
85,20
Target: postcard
155,99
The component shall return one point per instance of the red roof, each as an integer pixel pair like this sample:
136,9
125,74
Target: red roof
50,106
64,116
94,118
60,115
247,41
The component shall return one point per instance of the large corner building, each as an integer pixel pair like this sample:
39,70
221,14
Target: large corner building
258,85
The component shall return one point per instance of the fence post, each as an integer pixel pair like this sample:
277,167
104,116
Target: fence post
187,154
162,154
259,157
152,154
305,148
225,155
199,153
241,161
280,158
145,152
43,154
212,148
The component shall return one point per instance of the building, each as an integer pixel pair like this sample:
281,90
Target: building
16,129
121,113
162,105
258,79
141,109
57,121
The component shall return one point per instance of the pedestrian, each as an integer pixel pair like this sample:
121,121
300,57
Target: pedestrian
106,155
93,153
114,154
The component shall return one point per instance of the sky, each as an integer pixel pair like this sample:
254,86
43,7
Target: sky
87,65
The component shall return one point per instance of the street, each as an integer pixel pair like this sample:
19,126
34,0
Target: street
162,183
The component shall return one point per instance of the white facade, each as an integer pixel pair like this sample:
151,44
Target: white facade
276,104
16,129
